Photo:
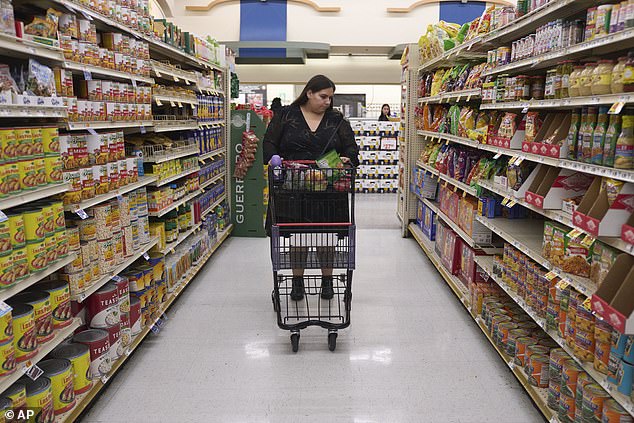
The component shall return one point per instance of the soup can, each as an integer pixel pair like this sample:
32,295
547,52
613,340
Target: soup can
116,344
592,403
135,316
79,355
39,396
103,307
98,342
126,334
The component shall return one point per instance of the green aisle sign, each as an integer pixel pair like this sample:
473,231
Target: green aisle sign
247,194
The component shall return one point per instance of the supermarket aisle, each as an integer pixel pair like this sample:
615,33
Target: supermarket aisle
412,353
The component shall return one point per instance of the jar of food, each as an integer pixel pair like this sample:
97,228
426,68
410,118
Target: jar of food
628,74
585,81
566,71
522,87
575,81
616,86
549,87
537,87
602,77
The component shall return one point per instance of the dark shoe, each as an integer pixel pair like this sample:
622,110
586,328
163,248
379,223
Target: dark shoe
297,291
326,288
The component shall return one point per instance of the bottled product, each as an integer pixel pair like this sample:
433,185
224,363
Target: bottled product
598,136
602,26
611,136
624,151
628,73
602,77
575,81
616,86
585,83
537,87
582,129
591,123
566,71
614,18
549,88
571,140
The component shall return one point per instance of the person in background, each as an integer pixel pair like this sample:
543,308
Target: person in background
385,112
306,130
276,105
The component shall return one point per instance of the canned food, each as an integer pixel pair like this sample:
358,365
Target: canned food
50,141
62,243
85,257
537,370
582,381
135,279
40,171
103,307
28,175
59,371
554,394
79,355
602,357
39,396
74,243
113,175
38,146
7,272
613,413
59,292
135,315
624,378
557,358
592,406
128,246
73,195
7,357
126,334
584,345
567,406
116,344
36,255
42,311
161,292
17,394
50,243
117,240
98,148
95,270
100,177
97,341
106,255
123,291
87,183
520,349
75,280
602,331
24,335
16,230
34,225
9,145
103,221
25,149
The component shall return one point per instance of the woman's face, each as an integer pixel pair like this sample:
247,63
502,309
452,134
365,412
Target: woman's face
319,102
385,110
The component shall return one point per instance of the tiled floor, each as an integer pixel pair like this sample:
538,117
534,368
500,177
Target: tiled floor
412,353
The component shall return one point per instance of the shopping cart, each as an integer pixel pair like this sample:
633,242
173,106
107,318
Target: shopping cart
312,228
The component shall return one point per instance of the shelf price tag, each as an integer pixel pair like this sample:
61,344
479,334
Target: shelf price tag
158,74
3,217
562,285
116,278
91,131
513,159
143,130
511,204
588,241
519,160
179,104
172,103
616,108
551,275
158,102
146,256
505,201
176,79
497,156
87,75
32,371
587,304
81,213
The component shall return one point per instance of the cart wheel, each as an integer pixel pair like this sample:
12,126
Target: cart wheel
295,341
275,308
332,341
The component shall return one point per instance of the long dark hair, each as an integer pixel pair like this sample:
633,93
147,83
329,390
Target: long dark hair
388,106
316,83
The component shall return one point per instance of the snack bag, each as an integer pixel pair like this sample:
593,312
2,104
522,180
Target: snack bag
533,125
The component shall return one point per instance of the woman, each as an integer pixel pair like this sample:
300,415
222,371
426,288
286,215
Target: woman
385,112
306,130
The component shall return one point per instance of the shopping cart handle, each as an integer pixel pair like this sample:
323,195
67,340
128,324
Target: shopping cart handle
304,162
289,225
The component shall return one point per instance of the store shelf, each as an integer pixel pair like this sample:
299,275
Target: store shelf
176,204
486,263
564,103
156,46
167,155
14,200
468,95
214,124
214,205
143,181
182,237
428,247
84,400
34,112
527,236
556,215
43,351
81,296
34,278
77,126
171,73
211,154
157,183
212,181
174,100
623,175
15,47
611,43
110,73
454,226
466,188
174,125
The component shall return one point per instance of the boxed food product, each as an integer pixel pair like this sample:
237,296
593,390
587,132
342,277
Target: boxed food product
603,257
429,223
553,247
576,257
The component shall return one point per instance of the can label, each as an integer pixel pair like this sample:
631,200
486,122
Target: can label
6,327
16,230
50,141
37,256
53,169
116,343
7,358
34,225
103,309
44,402
63,391
81,373
25,337
43,321
60,304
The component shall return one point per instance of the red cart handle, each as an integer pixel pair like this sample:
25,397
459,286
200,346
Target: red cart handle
288,225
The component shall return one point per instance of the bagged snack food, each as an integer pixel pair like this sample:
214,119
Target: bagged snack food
7,83
44,26
612,187
467,121
40,80
508,125
460,166
533,125
454,119
480,131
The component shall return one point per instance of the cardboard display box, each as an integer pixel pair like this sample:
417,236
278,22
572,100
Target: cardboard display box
515,142
613,299
555,129
552,185
627,230
596,216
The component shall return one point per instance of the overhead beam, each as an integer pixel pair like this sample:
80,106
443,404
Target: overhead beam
308,3
424,2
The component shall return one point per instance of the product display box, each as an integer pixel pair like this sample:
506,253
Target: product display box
627,230
552,185
613,299
467,210
554,130
448,248
429,223
597,216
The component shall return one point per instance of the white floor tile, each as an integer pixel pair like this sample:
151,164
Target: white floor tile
411,354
